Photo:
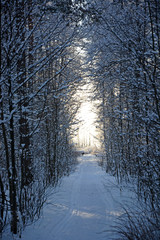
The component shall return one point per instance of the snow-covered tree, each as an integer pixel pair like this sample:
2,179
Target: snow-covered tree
37,85
126,70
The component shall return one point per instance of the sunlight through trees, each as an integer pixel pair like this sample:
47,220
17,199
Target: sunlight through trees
77,74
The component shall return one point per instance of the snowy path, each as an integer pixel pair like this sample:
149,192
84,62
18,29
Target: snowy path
82,208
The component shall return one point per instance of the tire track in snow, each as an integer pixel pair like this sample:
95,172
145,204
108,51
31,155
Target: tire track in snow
72,204
86,198
83,207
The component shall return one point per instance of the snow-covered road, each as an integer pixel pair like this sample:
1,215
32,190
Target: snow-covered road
84,206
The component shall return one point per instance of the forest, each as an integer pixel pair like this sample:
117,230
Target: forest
41,69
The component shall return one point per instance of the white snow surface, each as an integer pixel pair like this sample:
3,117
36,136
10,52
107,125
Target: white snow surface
85,206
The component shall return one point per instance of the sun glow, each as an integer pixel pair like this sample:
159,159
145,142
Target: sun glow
87,135
87,129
